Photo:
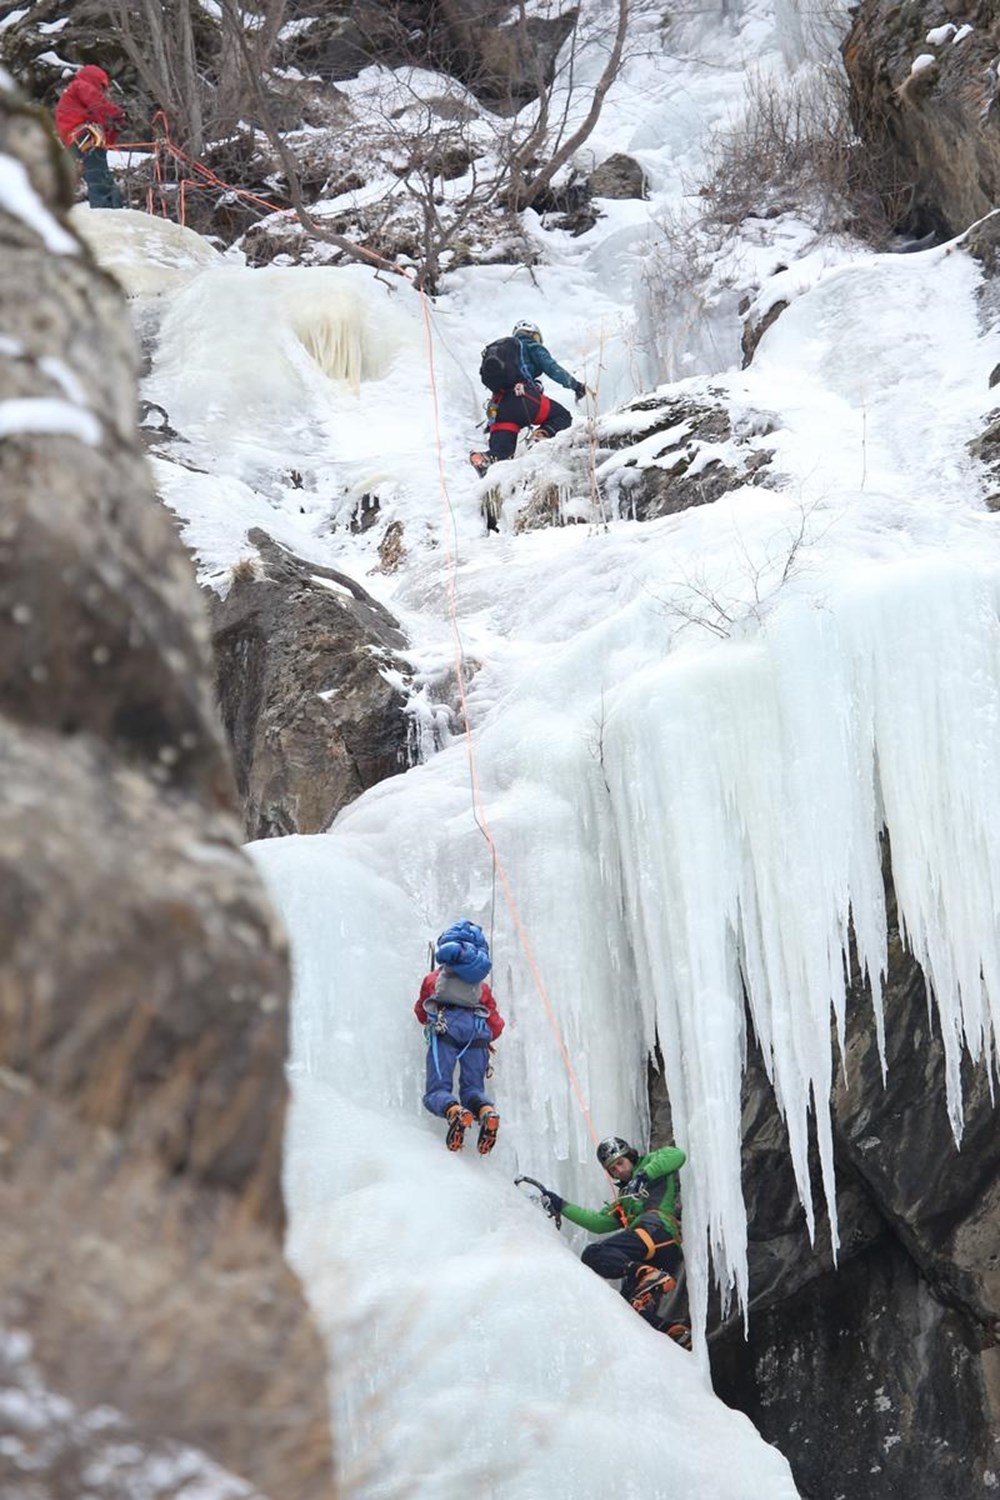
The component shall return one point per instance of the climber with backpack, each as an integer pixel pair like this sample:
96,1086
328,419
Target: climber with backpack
643,1247
87,121
511,369
460,1019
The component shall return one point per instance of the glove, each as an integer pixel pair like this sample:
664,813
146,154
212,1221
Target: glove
579,389
636,1187
552,1203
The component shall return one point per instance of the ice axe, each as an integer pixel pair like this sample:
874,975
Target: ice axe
543,1199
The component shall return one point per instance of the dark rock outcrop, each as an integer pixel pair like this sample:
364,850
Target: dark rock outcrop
931,135
311,719
701,456
986,447
620,176
755,329
898,1346
143,979
502,63
868,1384
689,450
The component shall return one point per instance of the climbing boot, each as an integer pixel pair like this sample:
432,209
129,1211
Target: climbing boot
459,1120
649,1284
489,1124
680,1333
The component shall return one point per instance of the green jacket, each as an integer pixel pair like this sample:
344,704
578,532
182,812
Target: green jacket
661,1167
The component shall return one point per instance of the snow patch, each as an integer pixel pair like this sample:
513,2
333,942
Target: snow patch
19,199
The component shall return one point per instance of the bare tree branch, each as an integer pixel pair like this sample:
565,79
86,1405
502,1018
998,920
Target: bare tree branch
265,116
524,195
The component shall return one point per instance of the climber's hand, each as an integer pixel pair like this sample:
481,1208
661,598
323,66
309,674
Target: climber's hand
636,1187
552,1203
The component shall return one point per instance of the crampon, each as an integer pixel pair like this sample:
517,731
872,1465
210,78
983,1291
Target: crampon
459,1120
650,1285
489,1124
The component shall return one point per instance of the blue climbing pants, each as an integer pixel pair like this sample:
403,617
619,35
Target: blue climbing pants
102,190
465,1045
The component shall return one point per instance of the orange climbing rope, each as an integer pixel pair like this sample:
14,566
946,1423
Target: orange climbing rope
478,805
163,146
165,150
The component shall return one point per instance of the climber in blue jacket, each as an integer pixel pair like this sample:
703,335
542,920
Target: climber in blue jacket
518,400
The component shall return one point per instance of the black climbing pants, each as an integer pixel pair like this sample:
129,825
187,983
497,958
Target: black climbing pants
649,1242
531,409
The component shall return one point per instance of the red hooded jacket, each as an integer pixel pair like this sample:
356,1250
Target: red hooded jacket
494,1019
85,102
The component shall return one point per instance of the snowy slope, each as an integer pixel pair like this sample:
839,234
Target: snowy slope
687,735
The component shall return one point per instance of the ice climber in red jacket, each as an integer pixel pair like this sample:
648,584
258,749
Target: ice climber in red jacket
460,1020
87,122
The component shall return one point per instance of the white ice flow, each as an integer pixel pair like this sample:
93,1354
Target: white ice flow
471,1351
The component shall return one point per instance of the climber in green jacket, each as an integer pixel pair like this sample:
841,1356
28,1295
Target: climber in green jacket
645,1248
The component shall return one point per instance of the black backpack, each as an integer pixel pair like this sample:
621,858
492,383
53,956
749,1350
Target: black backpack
500,368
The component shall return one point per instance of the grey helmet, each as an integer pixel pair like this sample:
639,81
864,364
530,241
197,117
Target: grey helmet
527,330
610,1150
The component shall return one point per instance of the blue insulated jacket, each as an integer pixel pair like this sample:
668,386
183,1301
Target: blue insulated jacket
537,361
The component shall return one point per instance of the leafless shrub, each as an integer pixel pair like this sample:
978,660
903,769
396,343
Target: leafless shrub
201,71
454,172
682,273
796,148
246,569
726,611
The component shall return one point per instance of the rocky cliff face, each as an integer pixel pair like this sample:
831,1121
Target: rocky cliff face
898,1347
879,1376
300,652
475,40
925,103
143,980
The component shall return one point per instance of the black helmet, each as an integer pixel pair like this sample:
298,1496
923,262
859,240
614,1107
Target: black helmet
614,1147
